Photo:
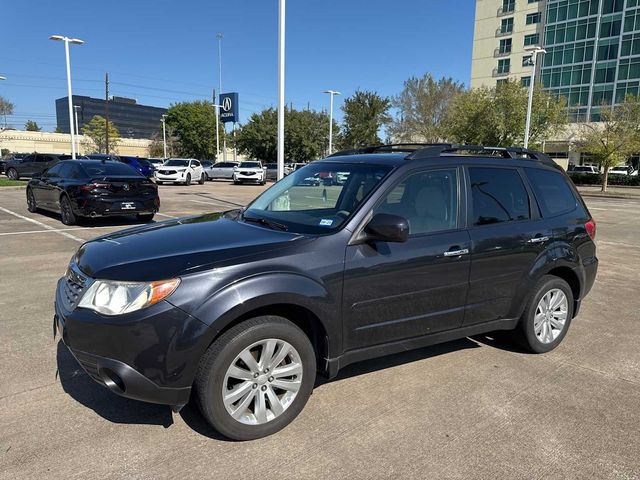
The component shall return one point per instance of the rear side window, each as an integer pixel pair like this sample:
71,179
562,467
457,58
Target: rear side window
552,192
498,195
65,169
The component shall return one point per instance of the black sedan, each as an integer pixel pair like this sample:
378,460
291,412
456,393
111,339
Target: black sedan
85,188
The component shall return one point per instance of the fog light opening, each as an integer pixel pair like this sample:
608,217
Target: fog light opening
112,380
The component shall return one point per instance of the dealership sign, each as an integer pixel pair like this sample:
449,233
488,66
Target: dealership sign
229,104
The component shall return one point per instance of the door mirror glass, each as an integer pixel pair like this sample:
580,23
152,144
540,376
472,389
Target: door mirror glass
386,227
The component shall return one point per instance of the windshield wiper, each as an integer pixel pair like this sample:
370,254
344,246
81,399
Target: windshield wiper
267,223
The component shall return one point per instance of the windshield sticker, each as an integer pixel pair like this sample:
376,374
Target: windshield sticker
326,222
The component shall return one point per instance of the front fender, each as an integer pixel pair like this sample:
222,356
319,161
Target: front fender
263,290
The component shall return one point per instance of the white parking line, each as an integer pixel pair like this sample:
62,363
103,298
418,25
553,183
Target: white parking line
52,231
165,215
43,225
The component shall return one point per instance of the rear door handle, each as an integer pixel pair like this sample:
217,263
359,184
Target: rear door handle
456,253
538,239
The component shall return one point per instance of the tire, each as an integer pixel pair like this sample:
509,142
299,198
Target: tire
32,205
159,183
212,378
236,182
66,211
542,334
187,181
202,179
13,174
145,217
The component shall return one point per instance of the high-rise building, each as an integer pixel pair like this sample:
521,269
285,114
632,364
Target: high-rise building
593,48
130,118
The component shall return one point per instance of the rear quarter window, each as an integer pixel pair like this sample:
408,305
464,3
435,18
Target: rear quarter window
552,192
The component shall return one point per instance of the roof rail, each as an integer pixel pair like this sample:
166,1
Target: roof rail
386,148
505,152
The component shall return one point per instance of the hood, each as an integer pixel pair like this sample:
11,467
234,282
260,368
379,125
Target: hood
176,247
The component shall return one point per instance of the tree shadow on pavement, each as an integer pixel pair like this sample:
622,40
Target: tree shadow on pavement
105,403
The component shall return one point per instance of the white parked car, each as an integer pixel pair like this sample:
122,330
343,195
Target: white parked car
585,169
623,170
251,171
223,170
181,170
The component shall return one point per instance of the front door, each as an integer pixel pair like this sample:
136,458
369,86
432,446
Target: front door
395,291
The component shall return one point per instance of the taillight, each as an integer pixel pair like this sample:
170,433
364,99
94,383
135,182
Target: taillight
93,186
590,227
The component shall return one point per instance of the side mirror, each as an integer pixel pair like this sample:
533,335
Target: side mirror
387,228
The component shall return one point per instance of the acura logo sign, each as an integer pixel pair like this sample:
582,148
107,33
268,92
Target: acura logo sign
226,104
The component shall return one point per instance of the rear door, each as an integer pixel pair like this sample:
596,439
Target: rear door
395,291
48,182
507,236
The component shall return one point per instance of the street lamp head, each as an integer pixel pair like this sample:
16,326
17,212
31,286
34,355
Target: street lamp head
2,78
77,41
535,49
56,37
332,92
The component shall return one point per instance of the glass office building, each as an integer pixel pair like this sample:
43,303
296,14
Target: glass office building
130,118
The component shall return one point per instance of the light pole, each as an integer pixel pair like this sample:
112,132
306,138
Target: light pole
164,135
534,54
331,94
217,107
75,111
66,41
281,44
220,36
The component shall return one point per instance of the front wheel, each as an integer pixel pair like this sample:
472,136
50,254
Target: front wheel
187,181
256,378
547,315
202,179
32,205
13,174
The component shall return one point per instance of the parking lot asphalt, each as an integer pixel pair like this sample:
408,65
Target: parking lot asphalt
473,408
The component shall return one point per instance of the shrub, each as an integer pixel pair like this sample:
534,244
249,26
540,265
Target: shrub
596,179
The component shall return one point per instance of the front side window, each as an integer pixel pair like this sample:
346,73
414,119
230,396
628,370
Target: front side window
552,191
318,198
498,195
428,200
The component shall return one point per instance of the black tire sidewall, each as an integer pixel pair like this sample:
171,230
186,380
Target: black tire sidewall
187,180
72,220
14,175
31,195
210,397
546,283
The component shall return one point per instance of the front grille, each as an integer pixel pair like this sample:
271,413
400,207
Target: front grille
248,173
167,172
74,285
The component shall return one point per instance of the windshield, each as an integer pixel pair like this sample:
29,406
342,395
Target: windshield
250,165
318,198
144,163
176,163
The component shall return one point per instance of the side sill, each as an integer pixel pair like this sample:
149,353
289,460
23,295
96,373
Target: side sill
352,356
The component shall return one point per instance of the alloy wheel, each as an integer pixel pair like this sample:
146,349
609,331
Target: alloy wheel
31,201
551,315
12,174
262,381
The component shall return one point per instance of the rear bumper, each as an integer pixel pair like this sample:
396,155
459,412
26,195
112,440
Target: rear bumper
101,207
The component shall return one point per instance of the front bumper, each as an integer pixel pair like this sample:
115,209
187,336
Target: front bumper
257,177
149,355
175,177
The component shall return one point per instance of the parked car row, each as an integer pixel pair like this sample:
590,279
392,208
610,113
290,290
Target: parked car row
617,170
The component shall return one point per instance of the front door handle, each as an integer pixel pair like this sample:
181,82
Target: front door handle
456,253
537,239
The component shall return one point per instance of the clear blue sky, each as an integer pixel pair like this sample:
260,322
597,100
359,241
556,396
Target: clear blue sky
161,52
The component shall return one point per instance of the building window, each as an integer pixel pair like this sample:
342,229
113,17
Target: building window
608,50
630,45
602,95
505,46
506,25
563,10
501,81
570,31
526,61
629,69
610,28
525,81
610,6
533,39
605,73
533,1
534,18
508,6
504,66
632,20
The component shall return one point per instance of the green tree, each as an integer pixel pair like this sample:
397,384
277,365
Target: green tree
194,126
365,113
496,116
96,130
613,139
31,126
6,108
306,135
58,130
421,108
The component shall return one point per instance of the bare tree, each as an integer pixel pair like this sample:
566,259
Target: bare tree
6,108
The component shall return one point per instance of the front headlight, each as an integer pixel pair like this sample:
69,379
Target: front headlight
115,298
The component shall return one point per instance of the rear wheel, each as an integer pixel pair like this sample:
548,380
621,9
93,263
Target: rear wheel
66,212
187,181
256,378
32,205
547,315
145,217
203,178
13,174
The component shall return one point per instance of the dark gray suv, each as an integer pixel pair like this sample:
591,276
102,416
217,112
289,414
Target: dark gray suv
416,246
32,164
